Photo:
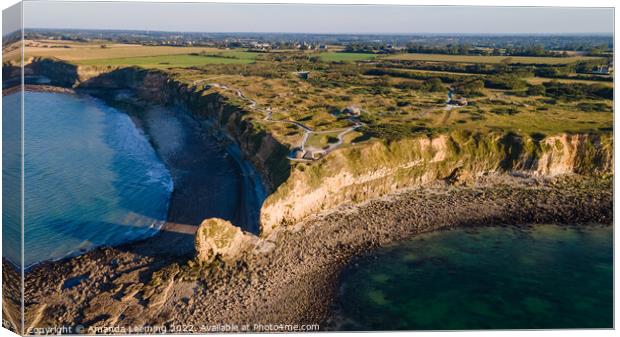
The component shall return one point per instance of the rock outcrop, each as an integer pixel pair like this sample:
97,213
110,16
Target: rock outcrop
218,238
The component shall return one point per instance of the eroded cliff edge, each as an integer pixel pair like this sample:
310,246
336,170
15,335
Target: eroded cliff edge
350,174
361,173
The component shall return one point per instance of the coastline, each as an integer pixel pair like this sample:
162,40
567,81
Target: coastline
176,236
292,276
37,88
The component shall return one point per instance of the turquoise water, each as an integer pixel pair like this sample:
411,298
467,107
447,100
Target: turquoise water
91,177
490,278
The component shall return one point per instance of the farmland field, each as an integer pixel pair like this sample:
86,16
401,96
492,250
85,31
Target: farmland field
117,53
77,52
488,59
167,61
400,100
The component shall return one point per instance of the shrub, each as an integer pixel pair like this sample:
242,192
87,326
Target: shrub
536,90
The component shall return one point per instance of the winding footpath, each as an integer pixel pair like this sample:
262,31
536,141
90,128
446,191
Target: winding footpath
307,131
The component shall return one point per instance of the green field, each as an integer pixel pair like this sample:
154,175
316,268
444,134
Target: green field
322,140
346,57
488,59
169,61
239,54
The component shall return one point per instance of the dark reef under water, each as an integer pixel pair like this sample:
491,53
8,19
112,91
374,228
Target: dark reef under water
542,277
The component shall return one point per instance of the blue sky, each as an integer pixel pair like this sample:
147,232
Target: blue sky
203,17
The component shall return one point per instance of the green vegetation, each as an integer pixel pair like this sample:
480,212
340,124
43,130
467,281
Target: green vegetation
322,140
488,59
577,91
400,95
346,57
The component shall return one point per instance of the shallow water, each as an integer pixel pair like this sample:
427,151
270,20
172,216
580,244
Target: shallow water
91,178
490,278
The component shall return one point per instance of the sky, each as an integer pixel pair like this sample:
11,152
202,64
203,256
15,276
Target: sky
11,19
297,18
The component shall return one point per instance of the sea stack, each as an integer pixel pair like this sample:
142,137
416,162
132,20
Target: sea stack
218,238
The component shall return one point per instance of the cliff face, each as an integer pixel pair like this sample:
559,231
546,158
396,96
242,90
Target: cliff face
355,173
258,146
360,173
265,153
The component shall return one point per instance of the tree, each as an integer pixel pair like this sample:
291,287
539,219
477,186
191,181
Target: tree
433,85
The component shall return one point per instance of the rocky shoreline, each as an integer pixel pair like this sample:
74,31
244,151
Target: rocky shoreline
37,88
175,240
292,275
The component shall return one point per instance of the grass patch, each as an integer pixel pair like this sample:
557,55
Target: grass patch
489,59
322,140
346,57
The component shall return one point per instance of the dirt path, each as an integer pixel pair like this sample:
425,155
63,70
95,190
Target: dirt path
307,131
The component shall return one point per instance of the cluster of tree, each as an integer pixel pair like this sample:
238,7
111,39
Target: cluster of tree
536,90
549,42
586,67
577,91
369,48
476,68
466,49
259,69
469,87
582,70
594,107
505,82
445,78
389,131
433,84
568,76
535,50
505,110
450,49
598,50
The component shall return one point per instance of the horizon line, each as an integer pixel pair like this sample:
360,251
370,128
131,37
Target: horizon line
324,33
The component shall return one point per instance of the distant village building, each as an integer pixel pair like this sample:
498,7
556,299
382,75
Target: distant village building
602,70
260,46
